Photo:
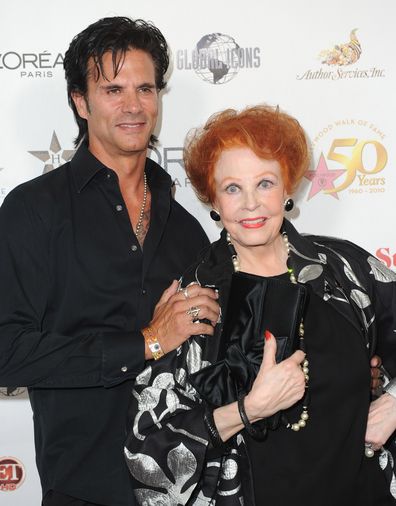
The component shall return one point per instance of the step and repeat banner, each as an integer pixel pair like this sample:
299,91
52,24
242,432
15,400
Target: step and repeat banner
330,64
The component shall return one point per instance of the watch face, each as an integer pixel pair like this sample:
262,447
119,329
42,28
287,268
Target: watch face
11,391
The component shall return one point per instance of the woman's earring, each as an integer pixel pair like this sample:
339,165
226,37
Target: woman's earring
214,215
288,205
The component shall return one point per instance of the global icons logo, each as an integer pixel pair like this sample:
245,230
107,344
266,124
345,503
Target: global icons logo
217,58
54,156
341,56
12,474
351,156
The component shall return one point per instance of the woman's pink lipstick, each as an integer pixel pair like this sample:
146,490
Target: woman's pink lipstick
253,222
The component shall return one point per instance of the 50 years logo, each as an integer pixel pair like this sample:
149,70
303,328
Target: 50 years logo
349,158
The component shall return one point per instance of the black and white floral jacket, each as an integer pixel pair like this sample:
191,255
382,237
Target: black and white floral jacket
168,451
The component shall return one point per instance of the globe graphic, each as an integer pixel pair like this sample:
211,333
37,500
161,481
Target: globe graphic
217,58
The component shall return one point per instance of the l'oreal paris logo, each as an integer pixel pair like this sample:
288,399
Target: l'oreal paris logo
31,64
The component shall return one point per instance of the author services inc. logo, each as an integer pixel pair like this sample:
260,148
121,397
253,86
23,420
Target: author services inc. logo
217,58
340,62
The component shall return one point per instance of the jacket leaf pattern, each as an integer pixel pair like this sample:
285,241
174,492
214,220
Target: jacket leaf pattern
168,450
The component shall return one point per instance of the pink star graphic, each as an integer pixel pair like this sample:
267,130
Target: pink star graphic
322,178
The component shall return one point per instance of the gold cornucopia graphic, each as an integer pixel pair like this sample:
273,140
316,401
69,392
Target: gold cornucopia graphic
343,54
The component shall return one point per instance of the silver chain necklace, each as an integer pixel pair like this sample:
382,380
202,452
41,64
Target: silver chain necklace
140,220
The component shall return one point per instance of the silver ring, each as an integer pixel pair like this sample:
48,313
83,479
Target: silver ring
185,292
193,311
369,450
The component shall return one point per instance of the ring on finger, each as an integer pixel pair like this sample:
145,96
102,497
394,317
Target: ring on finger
193,311
185,292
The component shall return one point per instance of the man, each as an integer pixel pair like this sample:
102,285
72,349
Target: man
86,252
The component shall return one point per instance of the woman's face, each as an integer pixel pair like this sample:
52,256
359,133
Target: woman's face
249,197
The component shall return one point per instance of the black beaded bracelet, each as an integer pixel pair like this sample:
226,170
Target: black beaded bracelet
257,434
214,435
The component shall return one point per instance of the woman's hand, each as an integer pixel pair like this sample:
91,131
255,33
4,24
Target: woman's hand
277,386
381,421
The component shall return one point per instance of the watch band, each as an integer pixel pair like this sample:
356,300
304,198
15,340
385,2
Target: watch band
390,387
153,343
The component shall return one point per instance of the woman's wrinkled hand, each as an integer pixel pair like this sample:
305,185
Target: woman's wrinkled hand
381,421
277,386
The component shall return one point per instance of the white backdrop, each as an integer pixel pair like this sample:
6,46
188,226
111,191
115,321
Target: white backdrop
297,54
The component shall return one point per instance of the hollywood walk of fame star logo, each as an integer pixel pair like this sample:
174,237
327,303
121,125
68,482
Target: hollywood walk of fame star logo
55,156
322,178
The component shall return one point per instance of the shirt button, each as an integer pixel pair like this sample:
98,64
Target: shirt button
119,208
134,247
144,291
124,368
108,175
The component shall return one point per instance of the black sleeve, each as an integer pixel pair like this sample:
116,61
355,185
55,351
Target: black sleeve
29,354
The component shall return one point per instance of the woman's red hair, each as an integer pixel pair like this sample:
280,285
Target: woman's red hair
268,132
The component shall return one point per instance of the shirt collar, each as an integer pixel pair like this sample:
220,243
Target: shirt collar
85,166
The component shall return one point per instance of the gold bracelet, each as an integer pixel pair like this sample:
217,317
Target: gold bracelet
152,343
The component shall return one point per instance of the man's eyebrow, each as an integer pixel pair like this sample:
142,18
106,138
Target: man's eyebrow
147,85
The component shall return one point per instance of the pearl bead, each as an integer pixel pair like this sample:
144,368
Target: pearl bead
305,363
302,423
305,370
304,415
295,427
369,452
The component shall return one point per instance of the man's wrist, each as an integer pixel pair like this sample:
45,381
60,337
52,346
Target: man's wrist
152,342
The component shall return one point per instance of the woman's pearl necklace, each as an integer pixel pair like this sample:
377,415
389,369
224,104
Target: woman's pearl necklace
302,422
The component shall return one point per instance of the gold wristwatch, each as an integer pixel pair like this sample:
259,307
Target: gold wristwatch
152,342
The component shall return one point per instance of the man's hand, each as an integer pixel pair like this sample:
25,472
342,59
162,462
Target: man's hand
381,420
376,374
177,313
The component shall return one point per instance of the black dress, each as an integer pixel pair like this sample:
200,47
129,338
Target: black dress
324,463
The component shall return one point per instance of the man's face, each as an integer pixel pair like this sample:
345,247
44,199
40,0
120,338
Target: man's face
121,111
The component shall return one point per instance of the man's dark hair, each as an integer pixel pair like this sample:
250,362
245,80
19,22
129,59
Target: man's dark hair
117,35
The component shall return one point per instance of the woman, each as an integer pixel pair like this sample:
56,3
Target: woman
198,436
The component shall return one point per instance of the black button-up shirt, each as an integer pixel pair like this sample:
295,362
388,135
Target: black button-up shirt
75,290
